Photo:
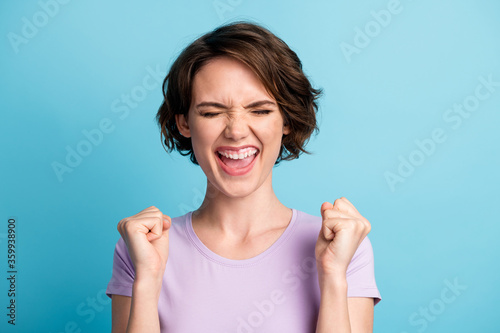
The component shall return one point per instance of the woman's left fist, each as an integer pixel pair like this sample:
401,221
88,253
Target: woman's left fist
342,230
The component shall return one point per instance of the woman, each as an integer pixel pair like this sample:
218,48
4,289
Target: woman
237,102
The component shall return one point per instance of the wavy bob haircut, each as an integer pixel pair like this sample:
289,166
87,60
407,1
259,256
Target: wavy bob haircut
275,64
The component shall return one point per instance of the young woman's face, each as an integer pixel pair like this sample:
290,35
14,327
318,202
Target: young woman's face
235,126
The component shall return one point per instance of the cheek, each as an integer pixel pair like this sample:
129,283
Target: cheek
271,130
203,136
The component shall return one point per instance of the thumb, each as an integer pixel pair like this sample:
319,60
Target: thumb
326,205
161,243
167,223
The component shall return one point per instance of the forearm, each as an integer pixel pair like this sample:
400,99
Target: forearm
333,314
144,307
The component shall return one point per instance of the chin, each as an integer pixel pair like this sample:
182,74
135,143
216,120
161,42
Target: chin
237,191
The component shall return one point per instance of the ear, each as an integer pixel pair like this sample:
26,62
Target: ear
286,129
182,125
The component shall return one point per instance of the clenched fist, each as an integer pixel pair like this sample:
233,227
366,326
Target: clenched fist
146,236
342,230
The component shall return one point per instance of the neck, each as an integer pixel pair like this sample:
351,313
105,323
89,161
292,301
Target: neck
242,217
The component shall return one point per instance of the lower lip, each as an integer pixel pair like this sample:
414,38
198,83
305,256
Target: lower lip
234,171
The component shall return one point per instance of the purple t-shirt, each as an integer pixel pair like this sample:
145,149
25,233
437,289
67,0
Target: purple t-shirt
275,291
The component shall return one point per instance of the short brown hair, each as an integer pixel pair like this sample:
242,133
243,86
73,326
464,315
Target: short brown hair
275,64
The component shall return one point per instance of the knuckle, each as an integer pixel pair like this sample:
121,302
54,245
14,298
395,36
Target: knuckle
360,225
329,214
127,223
351,225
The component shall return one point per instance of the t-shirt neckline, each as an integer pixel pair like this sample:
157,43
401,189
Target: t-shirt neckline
214,257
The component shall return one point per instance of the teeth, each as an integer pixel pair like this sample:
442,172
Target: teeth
244,153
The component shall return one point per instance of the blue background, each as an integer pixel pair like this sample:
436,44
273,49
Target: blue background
436,226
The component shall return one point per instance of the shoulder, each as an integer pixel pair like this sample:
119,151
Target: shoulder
306,217
363,255
306,221
305,228
180,222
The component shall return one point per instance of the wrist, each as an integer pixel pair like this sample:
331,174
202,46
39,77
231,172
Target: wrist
147,288
332,281
150,275
153,280
150,278
332,273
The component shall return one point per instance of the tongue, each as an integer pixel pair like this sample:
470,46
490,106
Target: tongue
237,164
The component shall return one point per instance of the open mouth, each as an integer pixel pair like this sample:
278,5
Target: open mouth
237,162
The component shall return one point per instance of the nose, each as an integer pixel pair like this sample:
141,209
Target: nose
237,128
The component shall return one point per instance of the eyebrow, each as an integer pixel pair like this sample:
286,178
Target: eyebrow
222,106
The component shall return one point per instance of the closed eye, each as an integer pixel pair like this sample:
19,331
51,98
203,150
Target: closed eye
262,111
209,114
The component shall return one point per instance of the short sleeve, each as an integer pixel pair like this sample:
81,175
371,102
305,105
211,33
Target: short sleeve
122,278
361,273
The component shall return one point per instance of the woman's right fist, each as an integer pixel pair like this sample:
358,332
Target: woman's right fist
146,236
